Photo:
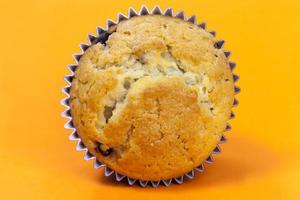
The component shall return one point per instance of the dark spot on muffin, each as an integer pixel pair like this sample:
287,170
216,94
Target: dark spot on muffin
142,59
126,84
108,112
127,33
204,90
82,122
104,151
161,70
181,69
211,90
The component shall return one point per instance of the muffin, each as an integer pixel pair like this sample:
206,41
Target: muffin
151,100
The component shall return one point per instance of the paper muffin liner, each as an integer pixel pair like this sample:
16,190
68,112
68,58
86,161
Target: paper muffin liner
93,39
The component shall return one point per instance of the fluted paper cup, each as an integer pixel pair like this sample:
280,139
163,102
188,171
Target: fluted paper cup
102,37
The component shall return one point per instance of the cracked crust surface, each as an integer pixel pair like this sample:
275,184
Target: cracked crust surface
152,103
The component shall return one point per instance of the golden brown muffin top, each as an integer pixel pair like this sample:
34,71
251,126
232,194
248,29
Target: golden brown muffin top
152,103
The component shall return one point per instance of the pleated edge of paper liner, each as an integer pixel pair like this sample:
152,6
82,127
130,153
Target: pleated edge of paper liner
74,136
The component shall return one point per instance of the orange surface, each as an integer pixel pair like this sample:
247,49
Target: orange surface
261,159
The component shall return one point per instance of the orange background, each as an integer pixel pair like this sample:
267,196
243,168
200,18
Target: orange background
261,159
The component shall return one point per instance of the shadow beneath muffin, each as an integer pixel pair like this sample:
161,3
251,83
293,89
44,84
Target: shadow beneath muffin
240,159
111,181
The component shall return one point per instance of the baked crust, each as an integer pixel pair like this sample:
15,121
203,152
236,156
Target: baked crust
152,103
